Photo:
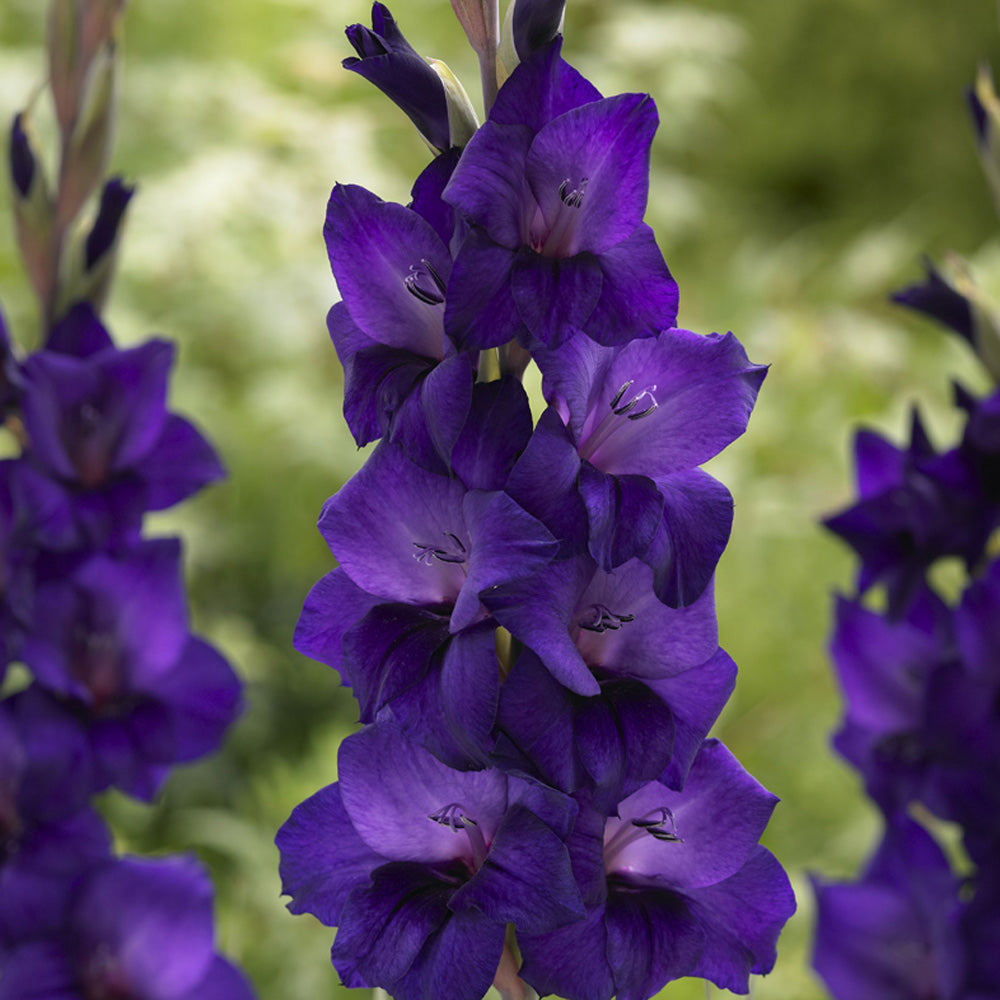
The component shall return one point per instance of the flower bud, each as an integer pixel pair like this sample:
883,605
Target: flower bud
985,107
528,27
63,51
462,120
386,59
33,211
99,251
88,150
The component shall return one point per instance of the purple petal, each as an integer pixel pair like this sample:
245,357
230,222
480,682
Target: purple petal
39,970
526,878
696,394
489,185
742,917
427,193
377,251
879,464
624,514
155,919
179,464
570,962
391,787
496,432
690,537
79,333
540,89
603,146
385,523
332,608
322,857
696,697
535,24
638,294
480,311
555,295
652,940
718,818
507,543
223,981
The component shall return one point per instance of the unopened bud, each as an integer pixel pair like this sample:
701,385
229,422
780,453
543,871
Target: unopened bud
94,264
88,150
64,31
985,107
528,27
462,120
100,20
33,210
473,16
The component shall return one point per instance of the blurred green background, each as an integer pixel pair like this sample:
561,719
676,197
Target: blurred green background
808,154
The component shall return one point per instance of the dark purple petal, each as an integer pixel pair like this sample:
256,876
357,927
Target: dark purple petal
690,537
115,196
21,157
937,298
489,186
496,432
507,543
652,940
427,193
459,960
379,251
535,23
742,917
391,787
39,970
541,88
555,295
332,608
570,962
180,463
638,294
624,512
223,981
602,150
79,333
543,482
879,464
322,857
526,878
696,697
977,623
480,311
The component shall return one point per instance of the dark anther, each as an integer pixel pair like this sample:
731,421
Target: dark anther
655,824
432,296
574,198
598,618
452,816
455,553
621,392
644,413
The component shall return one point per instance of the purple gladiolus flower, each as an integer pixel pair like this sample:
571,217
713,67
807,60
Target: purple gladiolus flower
642,418
421,867
99,428
402,376
110,636
386,59
137,929
892,934
676,885
555,187
914,507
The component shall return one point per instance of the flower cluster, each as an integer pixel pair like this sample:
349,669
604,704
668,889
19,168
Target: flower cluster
524,609
921,683
104,685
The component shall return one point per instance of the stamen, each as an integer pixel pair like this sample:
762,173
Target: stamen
644,398
427,552
432,296
574,198
599,618
654,824
621,392
453,817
